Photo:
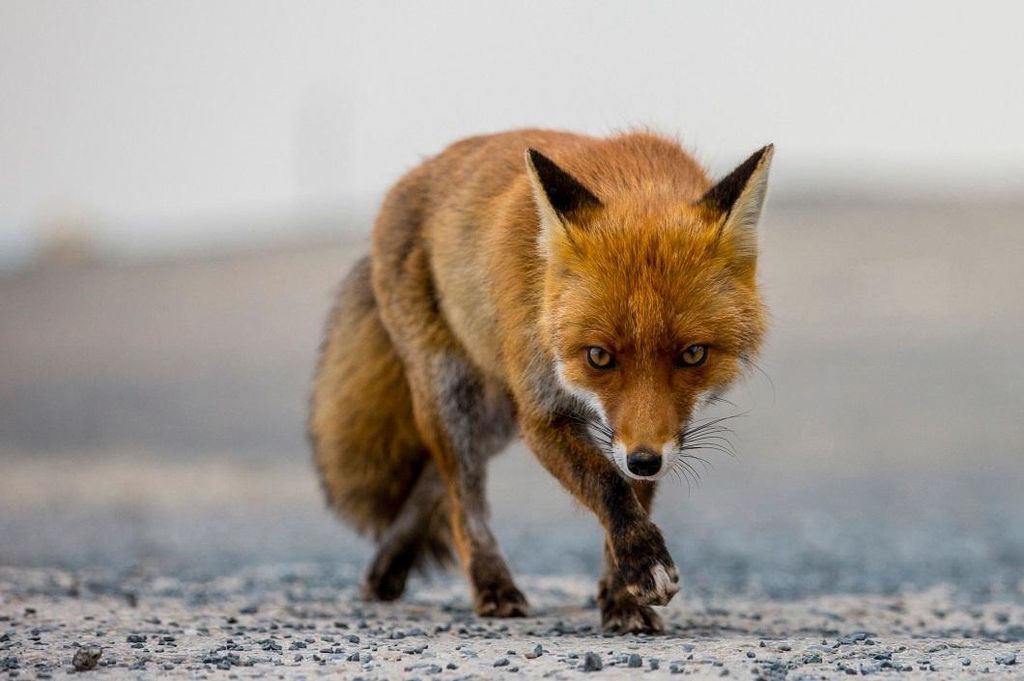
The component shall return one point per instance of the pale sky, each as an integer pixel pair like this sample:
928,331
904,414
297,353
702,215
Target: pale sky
168,124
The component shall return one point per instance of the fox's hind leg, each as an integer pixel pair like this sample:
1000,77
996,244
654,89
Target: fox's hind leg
468,421
420,530
462,418
620,611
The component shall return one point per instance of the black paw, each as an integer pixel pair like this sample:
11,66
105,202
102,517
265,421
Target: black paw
386,577
502,600
646,569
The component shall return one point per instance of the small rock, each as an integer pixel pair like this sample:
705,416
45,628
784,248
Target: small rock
635,661
592,663
501,662
86,658
854,637
1007,659
425,667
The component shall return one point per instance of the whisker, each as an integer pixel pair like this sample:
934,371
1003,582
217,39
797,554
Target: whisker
717,443
688,470
707,464
718,399
675,472
714,448
710,423
765,374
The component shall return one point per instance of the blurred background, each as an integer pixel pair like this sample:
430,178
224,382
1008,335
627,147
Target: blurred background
183,184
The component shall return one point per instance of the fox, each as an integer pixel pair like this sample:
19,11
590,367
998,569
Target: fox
587,294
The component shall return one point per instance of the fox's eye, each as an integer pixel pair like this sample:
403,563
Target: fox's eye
600,358
692,356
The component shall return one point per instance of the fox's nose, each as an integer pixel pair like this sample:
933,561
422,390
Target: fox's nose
643,461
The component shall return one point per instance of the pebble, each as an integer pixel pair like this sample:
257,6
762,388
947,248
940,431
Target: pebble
86,658
592,662
854,637
1006,659
635,661
425,667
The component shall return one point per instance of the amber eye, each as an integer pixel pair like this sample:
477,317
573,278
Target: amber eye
600,358
692,356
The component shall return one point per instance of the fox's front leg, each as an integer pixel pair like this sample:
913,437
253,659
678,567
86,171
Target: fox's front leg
635,545
620,611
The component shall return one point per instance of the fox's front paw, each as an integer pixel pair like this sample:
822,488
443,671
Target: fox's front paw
500,601
646,568
630,618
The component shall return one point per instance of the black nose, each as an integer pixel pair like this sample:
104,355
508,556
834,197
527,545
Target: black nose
643,461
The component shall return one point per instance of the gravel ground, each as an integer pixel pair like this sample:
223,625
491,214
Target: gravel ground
301,621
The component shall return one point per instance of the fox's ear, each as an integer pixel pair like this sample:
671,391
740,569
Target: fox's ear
561,199
737,201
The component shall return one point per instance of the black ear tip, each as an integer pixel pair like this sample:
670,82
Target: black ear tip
723,195
761,154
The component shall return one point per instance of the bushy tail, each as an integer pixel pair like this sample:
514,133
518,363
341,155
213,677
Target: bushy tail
365,443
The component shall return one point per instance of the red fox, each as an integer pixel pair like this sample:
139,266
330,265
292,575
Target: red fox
585,293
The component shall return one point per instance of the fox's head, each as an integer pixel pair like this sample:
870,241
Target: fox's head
650,302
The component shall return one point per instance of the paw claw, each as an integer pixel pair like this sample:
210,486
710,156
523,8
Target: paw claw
659,588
